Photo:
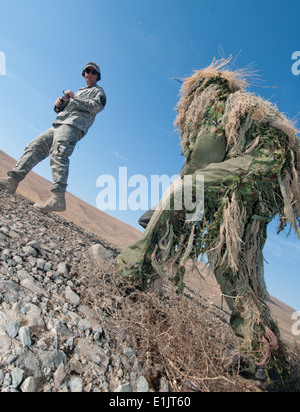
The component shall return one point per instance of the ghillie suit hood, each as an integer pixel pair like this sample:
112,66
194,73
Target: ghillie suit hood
242,110
248,153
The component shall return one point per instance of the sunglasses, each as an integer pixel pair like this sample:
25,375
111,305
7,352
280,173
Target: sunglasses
94,72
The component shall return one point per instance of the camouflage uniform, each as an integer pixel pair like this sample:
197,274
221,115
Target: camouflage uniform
70,126
244,191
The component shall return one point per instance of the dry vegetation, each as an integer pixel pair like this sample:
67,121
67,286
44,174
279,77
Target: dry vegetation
183,344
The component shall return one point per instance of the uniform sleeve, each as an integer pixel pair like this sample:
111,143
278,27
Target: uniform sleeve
94,105
225,172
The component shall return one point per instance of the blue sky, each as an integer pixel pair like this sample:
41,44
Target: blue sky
141,45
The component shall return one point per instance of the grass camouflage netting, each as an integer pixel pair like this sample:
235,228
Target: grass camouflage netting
255,179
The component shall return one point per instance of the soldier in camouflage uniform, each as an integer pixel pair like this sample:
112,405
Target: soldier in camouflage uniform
248,153
76,114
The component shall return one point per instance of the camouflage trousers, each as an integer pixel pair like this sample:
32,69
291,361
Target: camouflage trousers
57,143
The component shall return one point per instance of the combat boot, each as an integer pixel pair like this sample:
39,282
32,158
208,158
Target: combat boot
9,184
57,203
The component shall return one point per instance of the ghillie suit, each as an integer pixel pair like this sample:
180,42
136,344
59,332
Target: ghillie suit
248,153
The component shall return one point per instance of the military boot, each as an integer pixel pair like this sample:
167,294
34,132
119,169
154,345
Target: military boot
57,203
9,184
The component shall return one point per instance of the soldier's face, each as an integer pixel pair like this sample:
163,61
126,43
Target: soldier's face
91,79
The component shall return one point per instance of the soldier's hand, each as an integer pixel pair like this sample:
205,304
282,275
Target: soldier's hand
58,102
70,94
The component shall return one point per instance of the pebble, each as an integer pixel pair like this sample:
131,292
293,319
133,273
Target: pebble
72,297
75,384
142,384
24,335
17,377
28,386
13,329
35,244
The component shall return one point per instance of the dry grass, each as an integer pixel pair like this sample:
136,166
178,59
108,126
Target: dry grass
189,346
181,341
178,339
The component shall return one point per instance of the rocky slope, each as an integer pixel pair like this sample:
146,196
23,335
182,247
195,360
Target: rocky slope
51,337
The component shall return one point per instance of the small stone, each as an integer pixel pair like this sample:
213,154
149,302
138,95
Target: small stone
63,331
28,386
62,268
72,297
11,359
17,377
29,362
12,329
7,380
36,244
40,264
60,375
142,385
30,252
99,254
84,324
70,343
24,335
48,267
164,385
75,384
